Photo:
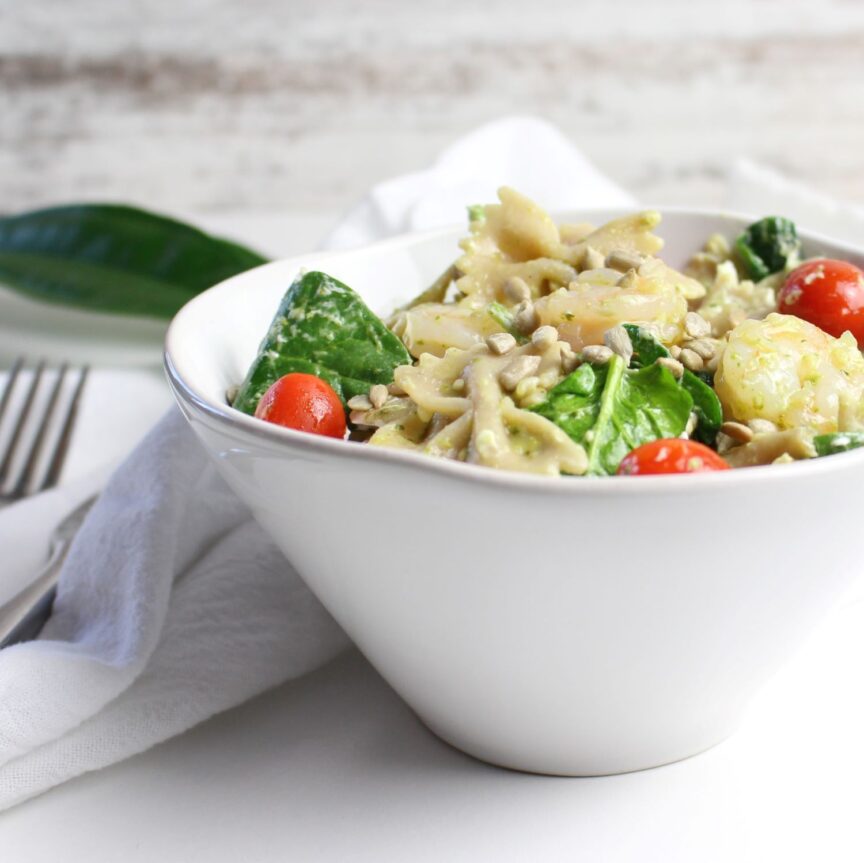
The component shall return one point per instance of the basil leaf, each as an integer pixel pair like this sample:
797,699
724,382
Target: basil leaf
611,410
323,328
709,411
112,258
768,246
828,444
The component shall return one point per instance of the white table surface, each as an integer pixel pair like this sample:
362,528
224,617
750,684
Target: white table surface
334,767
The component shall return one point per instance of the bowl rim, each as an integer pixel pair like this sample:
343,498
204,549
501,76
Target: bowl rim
226,416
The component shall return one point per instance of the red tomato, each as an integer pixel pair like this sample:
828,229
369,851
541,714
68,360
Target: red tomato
305,403
670,455
829,294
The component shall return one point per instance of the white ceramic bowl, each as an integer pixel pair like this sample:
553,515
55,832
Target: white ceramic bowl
567,626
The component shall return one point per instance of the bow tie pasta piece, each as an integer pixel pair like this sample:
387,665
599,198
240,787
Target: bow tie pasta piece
515,238
485,278
632,233
508,437
431,383
518,230
467,416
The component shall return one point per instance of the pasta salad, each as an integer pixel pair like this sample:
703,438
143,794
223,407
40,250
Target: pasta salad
575,349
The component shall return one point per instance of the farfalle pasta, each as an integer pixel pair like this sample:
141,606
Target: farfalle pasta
568,350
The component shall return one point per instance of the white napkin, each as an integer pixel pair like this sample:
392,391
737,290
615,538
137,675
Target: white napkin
173,605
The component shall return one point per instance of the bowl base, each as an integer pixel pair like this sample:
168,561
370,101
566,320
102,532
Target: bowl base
578,767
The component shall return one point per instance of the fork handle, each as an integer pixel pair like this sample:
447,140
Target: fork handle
25,614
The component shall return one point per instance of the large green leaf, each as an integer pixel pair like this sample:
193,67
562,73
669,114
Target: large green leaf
113,258
706,404
323,328
611,410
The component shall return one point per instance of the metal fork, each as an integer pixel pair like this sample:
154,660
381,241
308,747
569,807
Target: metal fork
23,616
31,462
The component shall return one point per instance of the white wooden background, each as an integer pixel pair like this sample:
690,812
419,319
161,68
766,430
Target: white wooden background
299,105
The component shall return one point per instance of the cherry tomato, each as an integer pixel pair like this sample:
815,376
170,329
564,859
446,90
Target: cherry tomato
305,403
670,455
829,294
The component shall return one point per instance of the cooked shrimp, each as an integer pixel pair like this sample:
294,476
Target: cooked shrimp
788,371
594,304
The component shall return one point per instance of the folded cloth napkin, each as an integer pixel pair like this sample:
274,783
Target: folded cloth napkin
173,605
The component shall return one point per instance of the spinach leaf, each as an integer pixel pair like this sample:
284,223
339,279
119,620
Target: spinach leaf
706,404
111,258
323,328
828,444
768,246
611,410
646,349
709,411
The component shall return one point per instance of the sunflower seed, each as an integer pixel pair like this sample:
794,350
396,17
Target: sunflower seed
544,337
526,319
518,368
737,431
673,365
691,360
360,403
623,260
500,343
695,326
706,348
516,290
378,395
618,341
597,354
760,426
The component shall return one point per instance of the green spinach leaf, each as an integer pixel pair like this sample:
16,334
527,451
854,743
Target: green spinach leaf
646,349
768,246
611,410
111,258
709,411
323,328
706,404
828,444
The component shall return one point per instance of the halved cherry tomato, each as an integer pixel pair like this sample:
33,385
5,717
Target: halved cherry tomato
305,403
829,294
670,455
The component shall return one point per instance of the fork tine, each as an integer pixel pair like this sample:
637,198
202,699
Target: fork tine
10,385
62,445
22,421
25,476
